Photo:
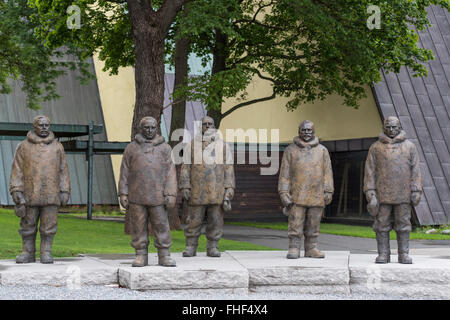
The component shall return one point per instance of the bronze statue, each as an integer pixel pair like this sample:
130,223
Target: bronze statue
39,184
208,188
147,185
305,186
392,183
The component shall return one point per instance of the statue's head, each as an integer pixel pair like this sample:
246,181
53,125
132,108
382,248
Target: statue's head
306,130
41,126
392,127
207,124
148,127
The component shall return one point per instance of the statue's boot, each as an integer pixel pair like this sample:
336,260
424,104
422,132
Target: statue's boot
212,249
311,250
141,259
403,247
46,249
383,247
191,247
294,248
28,250
164,258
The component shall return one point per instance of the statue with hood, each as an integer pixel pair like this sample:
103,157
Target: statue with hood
305,186
147,187
39,184
392,184
208,187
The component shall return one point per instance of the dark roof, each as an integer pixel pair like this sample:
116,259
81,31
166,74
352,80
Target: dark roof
78,105
423,107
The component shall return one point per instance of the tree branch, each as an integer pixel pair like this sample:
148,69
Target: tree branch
168,11
246,103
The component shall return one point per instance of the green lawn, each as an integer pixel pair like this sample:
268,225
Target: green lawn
345,230
77,236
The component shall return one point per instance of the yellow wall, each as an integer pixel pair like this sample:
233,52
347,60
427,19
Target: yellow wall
117,95
333,121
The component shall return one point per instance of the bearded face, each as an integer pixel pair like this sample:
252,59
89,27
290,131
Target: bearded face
306,131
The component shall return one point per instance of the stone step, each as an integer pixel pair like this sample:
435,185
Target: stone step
63,272
242,271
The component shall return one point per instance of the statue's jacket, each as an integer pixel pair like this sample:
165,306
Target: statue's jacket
40,170
206,180
392,169
306,173
147,173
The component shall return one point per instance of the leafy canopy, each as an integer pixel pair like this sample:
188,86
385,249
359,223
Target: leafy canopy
307,49
25,58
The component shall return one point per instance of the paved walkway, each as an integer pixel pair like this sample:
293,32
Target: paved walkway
278,239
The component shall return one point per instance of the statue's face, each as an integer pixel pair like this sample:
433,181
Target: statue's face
392,128
306,132
207,124
42,127
149,129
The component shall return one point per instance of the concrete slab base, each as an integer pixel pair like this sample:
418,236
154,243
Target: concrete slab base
241,272
63,272
193,273
271,271
428,276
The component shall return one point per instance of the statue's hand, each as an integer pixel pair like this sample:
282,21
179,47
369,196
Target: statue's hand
370,194
229,193
170,201
286,199
186,194
415,197
328,197
124,201
18,197
64,198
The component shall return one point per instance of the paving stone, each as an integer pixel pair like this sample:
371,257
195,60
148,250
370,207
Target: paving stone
193,273
63,272
271,271
428,276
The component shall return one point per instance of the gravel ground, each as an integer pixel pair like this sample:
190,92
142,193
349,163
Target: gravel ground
115,293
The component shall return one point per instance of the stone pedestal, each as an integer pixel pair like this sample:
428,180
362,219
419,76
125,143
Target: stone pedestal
428,276
270,271
194,273
63,272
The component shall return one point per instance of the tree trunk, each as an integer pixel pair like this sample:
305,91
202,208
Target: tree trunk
181,74
149,29
219,64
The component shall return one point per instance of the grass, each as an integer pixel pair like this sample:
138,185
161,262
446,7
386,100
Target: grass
347,230
97,211
75,236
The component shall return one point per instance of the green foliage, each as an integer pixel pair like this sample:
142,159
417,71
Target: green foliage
307,49
105,29
25,58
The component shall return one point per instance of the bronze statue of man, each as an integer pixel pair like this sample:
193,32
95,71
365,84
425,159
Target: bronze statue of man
147,186
208,187
392,183
39,184
305,186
